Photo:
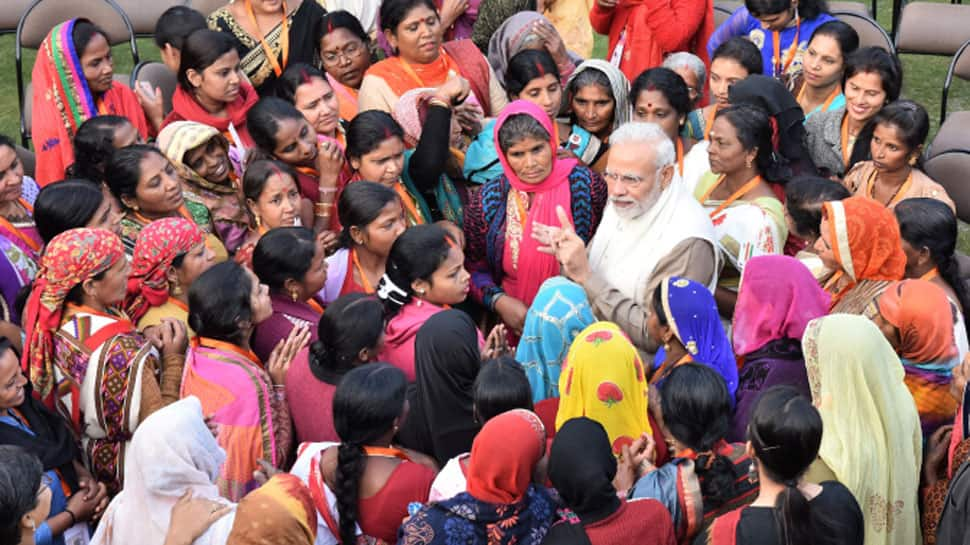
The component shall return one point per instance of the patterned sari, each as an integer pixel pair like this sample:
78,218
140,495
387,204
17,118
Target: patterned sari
254,423
19,256
63,101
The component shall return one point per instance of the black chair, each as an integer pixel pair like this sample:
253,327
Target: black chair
959,67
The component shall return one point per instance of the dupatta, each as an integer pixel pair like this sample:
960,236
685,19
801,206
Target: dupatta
859,391
526,268
63,101
186,108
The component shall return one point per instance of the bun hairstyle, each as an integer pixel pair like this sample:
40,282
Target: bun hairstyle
93,146
415,255
785,432
368,400
282,254
756,129
351,323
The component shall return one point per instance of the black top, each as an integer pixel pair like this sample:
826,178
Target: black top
835,516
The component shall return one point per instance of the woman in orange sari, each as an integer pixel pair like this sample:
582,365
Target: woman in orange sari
860,241
73,82
413,29
345,56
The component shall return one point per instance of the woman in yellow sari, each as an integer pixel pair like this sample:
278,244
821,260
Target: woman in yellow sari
857,386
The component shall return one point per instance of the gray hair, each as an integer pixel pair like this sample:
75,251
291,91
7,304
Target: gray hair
650,135
691,61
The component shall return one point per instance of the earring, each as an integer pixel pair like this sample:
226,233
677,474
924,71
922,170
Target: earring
176,290
748,162
259,222
753,472
294,295
912,161
134,207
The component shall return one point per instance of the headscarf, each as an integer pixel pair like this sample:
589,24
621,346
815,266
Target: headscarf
857,386
619,84
920,310
492,14
158,244
508,39
777,298
603,379
532,267
773,97
582,467
69,259
447,360
558,313
504,456
866,241
181,137
171,452
693,317
280,512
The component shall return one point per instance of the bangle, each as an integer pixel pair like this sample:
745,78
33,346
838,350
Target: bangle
327,190
438,102
322,208
73,518
495,299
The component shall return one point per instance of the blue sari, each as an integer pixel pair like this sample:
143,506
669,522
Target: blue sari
692,315
558,313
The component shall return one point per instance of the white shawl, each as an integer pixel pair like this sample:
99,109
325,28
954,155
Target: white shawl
625,252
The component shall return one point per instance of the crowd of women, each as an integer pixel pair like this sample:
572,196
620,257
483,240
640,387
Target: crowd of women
319,300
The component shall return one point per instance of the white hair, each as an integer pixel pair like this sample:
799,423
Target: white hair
647,134
691,61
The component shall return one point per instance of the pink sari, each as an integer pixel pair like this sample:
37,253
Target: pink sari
525,267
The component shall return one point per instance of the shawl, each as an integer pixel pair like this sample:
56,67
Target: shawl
921,312
674,218
504,455
18,266
186,108
447,359
553,192
63,101
51,440
582,468
237,392
558,313
603,379
280,512
180,137
619,84
510,38
865,239
693,317
777,299
158,244
171,452
859,391
492,14
70,258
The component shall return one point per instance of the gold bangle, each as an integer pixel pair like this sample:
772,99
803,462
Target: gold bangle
439,102
322,208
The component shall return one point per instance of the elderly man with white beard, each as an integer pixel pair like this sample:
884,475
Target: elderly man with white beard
652,228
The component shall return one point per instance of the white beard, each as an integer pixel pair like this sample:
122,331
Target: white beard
639,208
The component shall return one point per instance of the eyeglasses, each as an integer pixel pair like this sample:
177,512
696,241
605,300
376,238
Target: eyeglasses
350,52
629,180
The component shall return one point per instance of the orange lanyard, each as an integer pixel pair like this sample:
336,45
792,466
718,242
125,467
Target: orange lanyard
832,281
900,191
680,156
790,55
709,122
178,303
751,184
828,102
930,274
102,107
386,452
284,39
360,270
314,305
408,203
409,70
31,243
846,146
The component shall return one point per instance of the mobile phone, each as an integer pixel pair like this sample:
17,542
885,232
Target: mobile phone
147,89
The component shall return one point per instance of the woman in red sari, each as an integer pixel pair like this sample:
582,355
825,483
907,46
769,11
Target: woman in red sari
413,29
73,82
210,90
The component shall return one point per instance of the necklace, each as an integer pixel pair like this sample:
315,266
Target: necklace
901,190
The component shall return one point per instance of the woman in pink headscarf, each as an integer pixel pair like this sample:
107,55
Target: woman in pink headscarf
777,299
502,256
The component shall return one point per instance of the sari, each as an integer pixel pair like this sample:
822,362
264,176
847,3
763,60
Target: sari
20,248
87,364
63,100
238,392
280,512
778,298
223,200
346,99
502,255
158,245
744,228
693,317
604,379
299,46
865,240
501,506
936,496
172,452
559,312
860,392
920,311
287,314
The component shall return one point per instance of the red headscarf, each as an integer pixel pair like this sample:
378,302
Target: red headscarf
921,312
504,455
158,244
70,258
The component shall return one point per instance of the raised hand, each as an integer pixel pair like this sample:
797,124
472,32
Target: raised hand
282,355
